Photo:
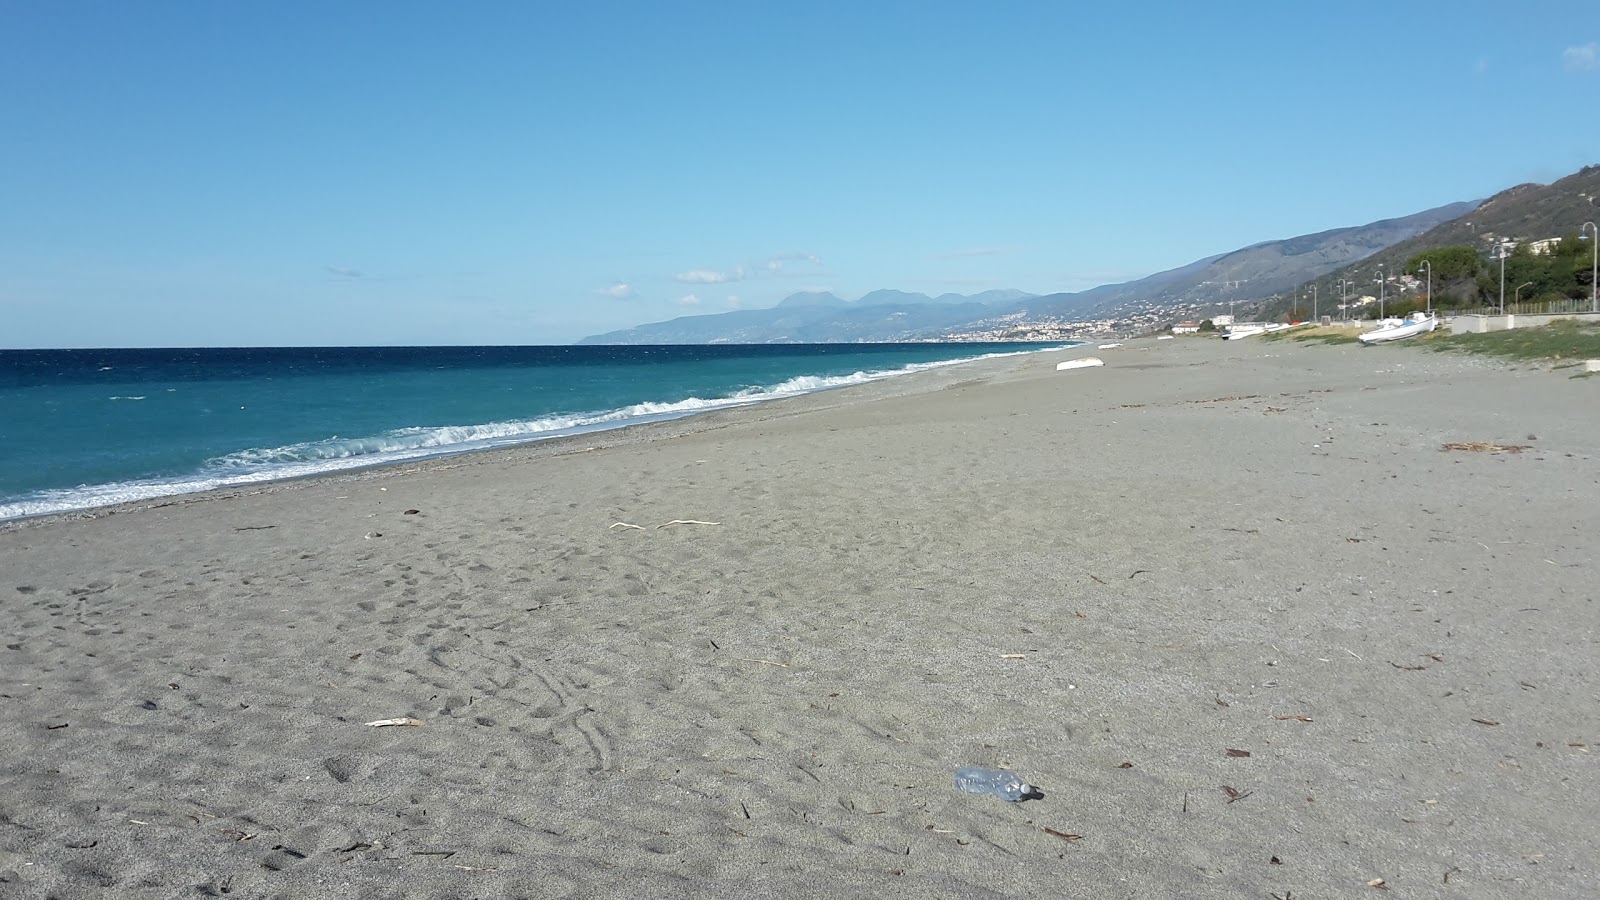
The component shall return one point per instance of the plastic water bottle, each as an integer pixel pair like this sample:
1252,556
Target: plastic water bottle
1000,782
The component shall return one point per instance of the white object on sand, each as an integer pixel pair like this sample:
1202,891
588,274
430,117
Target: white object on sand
1107,346
1395,329
1083,363
1164,337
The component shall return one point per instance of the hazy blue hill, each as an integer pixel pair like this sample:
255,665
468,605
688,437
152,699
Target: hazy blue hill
810,299
817,317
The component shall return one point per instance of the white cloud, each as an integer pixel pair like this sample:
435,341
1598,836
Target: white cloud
709,276
689,300
775,264
734,302
618,291
1581,59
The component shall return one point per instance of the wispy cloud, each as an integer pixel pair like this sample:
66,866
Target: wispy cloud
1581,59
618,291
710,276
779,264
689,300
342,272
734,302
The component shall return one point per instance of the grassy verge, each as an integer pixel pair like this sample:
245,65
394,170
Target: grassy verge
1563,339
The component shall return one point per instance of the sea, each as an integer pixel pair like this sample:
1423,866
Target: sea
86,428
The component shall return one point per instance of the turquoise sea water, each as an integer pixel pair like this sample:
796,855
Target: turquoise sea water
84,428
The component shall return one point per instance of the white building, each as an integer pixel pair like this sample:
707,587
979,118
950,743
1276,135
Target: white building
1186,328
1222,321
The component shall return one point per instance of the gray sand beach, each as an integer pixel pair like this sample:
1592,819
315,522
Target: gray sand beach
1231,606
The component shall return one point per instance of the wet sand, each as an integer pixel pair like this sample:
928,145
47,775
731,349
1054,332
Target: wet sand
1229,604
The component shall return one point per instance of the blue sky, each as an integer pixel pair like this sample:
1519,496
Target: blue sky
296,173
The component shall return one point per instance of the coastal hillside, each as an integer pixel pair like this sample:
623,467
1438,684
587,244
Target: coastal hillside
1521,215
1250,274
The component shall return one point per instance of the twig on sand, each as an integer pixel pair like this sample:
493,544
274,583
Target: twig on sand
1013,656
686,522
1484,447
766,661
626,525
404,720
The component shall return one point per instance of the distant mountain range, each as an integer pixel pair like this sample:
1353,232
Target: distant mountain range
1250,276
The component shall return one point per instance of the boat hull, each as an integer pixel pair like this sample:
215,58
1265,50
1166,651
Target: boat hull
1399,332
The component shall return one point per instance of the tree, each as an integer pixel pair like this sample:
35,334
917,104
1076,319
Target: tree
1208,325
1448,263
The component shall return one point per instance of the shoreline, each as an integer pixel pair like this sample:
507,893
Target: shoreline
577,432
1114,581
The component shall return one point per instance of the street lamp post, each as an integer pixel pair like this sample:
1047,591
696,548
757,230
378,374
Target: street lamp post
1503,255
1344,299
1429,267
1594,265
1380,293
1517,294
1314,318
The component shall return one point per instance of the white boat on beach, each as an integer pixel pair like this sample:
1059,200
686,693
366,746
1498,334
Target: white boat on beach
1395,329
1244,331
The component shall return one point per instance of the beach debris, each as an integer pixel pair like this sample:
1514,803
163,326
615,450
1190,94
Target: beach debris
768,662
1087,362
1097,579
373,534
254,527
1060,834
238,836
1408,668
1486,722
1002,783
1292,718
1379,884
1013,656
1275,409
57,727
1450,871
1234,793
412,512
403,720
1237,754
1484,447
1138,572
1126,765
686,522
627,525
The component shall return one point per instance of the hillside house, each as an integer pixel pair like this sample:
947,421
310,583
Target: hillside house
1186,328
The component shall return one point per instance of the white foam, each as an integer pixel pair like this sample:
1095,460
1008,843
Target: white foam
334,454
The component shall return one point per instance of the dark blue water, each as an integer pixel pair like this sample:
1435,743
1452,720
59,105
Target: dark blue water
83,428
